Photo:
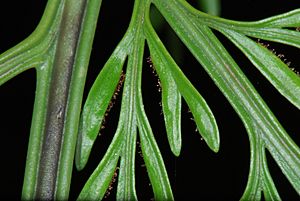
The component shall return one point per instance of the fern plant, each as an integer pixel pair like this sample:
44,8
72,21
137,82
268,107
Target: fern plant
59,49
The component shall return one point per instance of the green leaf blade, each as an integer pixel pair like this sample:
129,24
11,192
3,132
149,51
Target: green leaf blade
96,186
97,102
208,50
171,105
126,181
203,116
253,187
259,178
288,19
277,72
283,36
153,159
269,188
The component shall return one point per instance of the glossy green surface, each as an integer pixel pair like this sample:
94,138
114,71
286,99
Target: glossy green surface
194,28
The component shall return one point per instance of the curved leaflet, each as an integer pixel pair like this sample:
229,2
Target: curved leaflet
276,71
203,116
98,101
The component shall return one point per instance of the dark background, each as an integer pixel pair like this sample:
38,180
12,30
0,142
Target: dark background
198,173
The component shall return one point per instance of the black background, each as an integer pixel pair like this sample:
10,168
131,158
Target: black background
198,173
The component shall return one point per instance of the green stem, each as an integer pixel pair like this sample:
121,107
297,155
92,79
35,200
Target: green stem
73,109
58,97
49,22
59,94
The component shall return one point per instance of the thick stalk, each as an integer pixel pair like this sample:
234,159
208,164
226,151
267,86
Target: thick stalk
82,57
60,83
67,41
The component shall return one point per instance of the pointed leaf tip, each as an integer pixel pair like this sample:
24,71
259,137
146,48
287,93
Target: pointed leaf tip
97,104
203,116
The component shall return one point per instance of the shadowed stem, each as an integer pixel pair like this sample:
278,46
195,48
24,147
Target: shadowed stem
61,73
58,97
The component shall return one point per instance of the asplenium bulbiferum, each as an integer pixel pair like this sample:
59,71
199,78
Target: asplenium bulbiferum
59,50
